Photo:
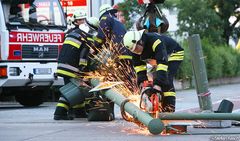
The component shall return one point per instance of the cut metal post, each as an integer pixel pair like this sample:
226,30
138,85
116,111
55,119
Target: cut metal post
155,126
199,116
199,72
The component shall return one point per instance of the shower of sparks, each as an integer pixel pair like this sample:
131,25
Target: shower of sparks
114,70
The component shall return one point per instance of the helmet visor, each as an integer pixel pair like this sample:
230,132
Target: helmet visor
137,48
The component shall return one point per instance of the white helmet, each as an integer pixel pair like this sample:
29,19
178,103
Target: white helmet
131,38
91,25
79,15
106,7
93,22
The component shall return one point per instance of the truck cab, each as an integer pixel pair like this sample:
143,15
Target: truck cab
31,36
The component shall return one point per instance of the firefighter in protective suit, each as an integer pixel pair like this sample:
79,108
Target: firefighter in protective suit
112,30
72,61
168,55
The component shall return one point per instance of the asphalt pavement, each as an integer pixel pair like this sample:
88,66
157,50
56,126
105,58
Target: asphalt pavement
19,123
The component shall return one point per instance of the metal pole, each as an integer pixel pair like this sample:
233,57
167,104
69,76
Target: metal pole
155,126
199,71
199,116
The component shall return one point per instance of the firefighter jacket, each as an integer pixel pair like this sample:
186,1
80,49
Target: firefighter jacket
71,30
161,48
74,53
111,29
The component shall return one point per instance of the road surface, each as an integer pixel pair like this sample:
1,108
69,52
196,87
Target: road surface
19,123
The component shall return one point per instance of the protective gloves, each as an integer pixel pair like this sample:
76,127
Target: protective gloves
148,88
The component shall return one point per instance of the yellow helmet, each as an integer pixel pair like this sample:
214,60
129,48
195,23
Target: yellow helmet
106,7
131,38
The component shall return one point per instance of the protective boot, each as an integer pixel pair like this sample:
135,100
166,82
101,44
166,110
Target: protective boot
61,112
168,104
78,111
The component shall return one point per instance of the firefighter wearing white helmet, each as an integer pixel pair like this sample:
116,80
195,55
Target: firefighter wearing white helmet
79,17
90,26
111,29
106,7
130,40
168,55
72,62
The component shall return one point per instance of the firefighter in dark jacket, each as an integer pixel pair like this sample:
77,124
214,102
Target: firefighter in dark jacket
111,30
168,55
72,61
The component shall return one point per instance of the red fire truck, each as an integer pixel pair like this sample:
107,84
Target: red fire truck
32,33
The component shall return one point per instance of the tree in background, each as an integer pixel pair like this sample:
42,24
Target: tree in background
131,10
227,9
209,18
196,17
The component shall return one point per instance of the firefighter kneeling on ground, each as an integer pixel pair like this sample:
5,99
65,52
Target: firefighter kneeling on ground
168,55
73,61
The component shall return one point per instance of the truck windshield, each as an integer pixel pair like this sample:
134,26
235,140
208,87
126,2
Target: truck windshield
44,12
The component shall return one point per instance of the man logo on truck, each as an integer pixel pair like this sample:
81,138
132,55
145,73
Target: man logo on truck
40,50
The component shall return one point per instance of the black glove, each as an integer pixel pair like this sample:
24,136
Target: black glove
151,90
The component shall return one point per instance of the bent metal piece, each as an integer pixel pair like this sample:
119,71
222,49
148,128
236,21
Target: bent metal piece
155,126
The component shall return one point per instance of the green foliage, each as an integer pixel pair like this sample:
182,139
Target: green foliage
238,64
230,63
198,18
169,4
213,61
130,9
225,10
220,60
209,18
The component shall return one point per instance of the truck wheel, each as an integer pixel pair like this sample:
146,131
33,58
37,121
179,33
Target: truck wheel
30,99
